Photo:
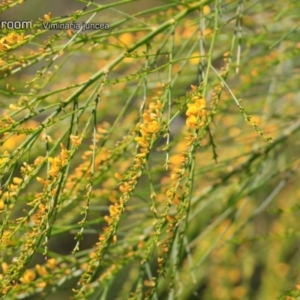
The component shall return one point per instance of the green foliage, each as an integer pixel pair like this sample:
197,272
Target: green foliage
154,156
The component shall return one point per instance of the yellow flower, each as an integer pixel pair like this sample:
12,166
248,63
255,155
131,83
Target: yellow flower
41,270
13,38
47,17
113,210
40,180
17,180
108,219
38,160
192,110
4,266
142,142
51,263
206,10
29,276
200,103
125,187
13,107
153,126
42,284
126,38
2,205
76,140
191,122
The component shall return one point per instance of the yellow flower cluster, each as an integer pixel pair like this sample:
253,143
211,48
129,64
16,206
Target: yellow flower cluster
29,276
11,39
148,130
150,126
113,211
196,112
57,163
75,140
11,191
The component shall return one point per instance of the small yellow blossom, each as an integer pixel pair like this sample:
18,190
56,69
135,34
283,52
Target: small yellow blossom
206,10
14,38
17,180
149,283
47,17
108,219
38,160
51,263
191,122
4,266
192,110
196,112
42,284
76,140
41,270
113,210
13,107
40,180
28,276
126,38
142,142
